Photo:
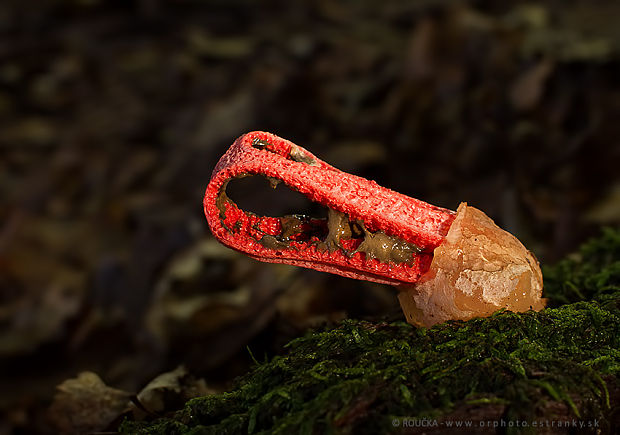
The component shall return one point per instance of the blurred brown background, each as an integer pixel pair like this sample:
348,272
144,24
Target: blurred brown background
113,114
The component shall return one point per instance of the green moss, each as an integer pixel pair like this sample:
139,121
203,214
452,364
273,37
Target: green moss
593,273
358,376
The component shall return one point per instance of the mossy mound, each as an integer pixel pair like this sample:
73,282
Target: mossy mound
557,365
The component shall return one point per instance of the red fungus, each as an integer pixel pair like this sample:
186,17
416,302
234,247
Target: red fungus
444,271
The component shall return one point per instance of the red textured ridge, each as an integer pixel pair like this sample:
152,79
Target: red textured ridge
379,208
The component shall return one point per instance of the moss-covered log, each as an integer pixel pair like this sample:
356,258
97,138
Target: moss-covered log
558,365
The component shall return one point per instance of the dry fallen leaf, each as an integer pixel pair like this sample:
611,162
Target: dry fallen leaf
86,404
528,89
170,390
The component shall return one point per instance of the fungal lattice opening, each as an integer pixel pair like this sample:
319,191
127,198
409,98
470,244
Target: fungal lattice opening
302,224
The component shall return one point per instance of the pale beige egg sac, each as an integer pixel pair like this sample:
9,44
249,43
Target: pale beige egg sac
477,270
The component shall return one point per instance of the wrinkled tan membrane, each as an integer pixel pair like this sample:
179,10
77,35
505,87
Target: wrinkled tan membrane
477,270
